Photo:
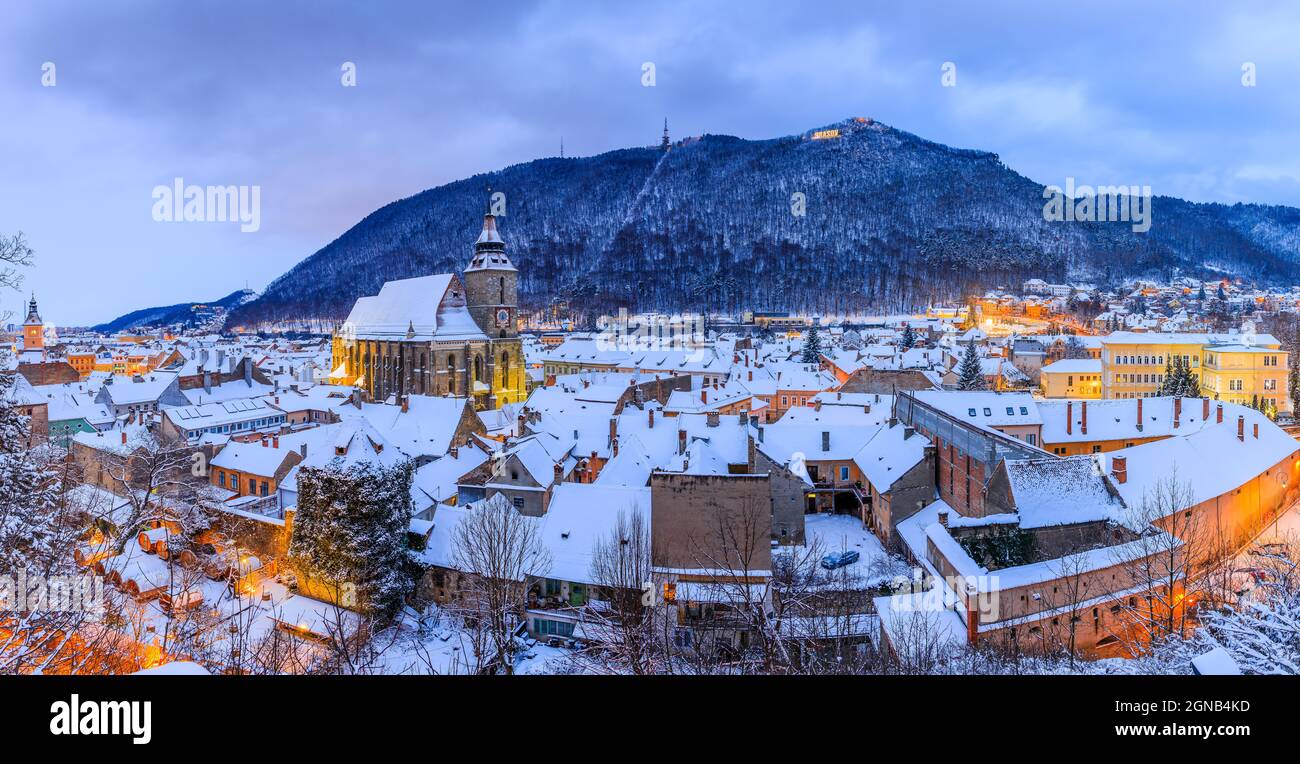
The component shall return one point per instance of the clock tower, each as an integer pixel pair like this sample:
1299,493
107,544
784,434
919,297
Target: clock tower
491,284
492,297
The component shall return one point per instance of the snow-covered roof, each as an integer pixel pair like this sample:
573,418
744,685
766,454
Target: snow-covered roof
982,408
409,308
1064,491
1210,461
1074,366
890,454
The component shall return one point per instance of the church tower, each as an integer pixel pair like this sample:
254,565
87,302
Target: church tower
491,284
33,328
492,296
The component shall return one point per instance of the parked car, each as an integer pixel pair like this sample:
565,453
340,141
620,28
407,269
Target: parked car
839,559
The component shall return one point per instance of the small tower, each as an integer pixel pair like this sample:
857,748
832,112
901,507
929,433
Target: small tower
666,144
491,284
33,328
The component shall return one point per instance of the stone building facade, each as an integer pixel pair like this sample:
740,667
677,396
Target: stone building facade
439,335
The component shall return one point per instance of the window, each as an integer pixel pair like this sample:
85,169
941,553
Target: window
1011,411
844,473
988,412
518,502
970,412
1270,384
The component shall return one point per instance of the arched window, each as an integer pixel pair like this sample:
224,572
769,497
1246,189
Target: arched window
478,368
451,373
503,291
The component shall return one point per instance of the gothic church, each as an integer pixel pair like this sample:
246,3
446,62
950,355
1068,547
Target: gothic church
439,335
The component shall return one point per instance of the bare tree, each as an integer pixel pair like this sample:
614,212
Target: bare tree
1074,586
624,628
1158,565
14,254
499,551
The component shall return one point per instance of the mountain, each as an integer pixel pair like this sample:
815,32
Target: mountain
892,221
190,314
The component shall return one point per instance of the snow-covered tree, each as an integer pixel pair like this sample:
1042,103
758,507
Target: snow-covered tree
812,346
350,533
970,376
908,340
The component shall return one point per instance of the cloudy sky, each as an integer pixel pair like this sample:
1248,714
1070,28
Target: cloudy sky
250,94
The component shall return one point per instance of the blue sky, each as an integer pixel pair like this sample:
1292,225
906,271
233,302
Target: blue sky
249,94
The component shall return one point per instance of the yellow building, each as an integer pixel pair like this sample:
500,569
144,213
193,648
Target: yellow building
1071,378
1241,367
440,334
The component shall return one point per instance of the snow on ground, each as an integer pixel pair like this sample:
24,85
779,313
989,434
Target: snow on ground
841,533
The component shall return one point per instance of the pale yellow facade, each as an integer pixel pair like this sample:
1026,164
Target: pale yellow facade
1239,368
1071,380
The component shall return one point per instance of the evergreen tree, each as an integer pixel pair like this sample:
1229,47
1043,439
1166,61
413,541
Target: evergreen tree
1293,383
350,533
969,374
1168,383
812,346
909,337
29,531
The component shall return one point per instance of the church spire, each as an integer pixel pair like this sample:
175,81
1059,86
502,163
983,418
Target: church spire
33,317
490,249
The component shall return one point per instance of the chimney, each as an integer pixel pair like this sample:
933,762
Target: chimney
454,451
826,441
1069,417
712,419
275,441
817,405
1256,428
614,447
1178,411
124,437
972,617
1205,409
207,382
1241,428
1139,415
1218,415
651,412
303,449
908,432
681,441
406,404
1119,467
943,517
704,395
760,433
1083,425
751,376
559,472
522,419
265,442
613,429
